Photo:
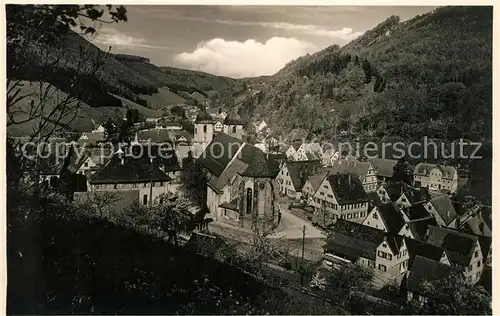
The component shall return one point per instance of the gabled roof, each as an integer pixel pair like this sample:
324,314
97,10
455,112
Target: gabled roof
355,240
424,169
133,170
218,183
219,153
299,171
347,188
416,211
418,248
155,135
396,189
374,198
459,246
417,195
316,180
384,167
424,269
419,228
392,217
350,166
161,156
259,165
444,207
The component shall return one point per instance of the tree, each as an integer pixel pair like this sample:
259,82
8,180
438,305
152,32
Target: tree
452,295
402,172
348,285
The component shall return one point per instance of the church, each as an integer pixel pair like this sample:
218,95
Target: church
241,189
206,126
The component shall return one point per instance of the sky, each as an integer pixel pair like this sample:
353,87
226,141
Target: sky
239,41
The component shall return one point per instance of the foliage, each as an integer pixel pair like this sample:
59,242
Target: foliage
348,285
452,295
402,172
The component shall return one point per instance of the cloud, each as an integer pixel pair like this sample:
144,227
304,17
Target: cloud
244,59
114,38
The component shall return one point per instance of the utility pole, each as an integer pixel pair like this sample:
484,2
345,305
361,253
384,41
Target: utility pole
302,260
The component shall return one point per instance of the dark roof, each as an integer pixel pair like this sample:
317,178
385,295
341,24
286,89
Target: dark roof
133,170
417,248
459,246
359,240
374,198
258,164
417,195
204,117
91,138
300,171
343,166
316,180
233,205
424,269
419,227
175,135
384,167
233,118
392,217
396,189
163,156
155,135
444,207
218,183
219,153
416,211
347,188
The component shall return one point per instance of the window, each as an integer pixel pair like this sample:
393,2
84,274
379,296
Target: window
389,256
134,185
145,185
145,199
375,215
86,164
384,245
478,264
476,254
97,187
469,268
330,196
234,129
161,200
204,128
325,186
115,186
371,264
322,193
382,267
161,183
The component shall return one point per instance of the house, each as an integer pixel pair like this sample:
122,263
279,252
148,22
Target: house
309,151
330,157
386,217
402,194
441,207
294,174
91,139
84,165
423,269
479,222
436,177
353,243
384,168
291,151
340,196
363,170
98,127
153,136
463,250
311,186
428,251
242,188
417,229
126,172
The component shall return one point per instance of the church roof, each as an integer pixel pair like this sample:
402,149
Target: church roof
233,118
204,117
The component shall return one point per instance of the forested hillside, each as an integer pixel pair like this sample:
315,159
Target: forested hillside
430,75
73,66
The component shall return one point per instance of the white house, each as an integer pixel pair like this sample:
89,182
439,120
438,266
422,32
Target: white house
436,177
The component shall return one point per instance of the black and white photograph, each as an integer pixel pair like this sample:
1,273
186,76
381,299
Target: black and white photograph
310,159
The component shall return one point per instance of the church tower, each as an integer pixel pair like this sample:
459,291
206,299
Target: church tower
233,125
203,127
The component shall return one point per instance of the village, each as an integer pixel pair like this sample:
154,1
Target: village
318,204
